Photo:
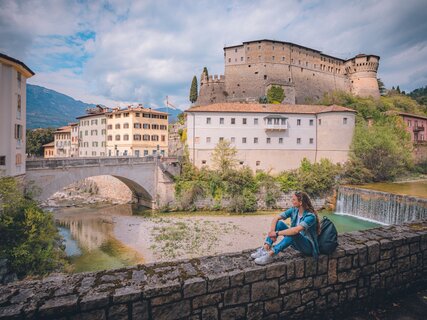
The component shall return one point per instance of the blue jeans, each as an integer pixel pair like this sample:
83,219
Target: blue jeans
298,241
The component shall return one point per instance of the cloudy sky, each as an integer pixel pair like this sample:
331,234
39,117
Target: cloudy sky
124,51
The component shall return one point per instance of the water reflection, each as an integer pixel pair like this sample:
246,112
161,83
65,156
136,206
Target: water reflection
89,238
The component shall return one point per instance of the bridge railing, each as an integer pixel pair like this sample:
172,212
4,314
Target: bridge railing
79,162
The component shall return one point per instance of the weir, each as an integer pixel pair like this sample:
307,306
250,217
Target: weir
380,206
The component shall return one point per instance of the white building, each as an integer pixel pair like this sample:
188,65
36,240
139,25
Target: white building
13,106
93,132
74,139
271,136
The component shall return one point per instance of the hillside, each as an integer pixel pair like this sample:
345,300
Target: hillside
48,108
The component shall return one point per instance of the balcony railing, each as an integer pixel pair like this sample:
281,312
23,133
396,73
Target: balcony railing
278,127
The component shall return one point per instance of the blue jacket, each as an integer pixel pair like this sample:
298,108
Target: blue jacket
309,223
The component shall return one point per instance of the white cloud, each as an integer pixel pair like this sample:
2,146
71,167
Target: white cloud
142,51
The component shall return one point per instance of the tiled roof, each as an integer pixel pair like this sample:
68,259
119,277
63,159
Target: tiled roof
50,144
393,112
63,129
268,108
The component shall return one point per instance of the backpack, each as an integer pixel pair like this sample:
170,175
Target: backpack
328,237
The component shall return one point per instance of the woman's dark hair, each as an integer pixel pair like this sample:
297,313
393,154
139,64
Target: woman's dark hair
306,204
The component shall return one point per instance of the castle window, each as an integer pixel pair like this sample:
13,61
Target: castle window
203,161
235,59
290,80
241,163
249,58
299,61
265,77
344,120
257,163
280,140
255,140
298,122
268,140
241,58
256,72
298,140
272,47
311,140
233,120
259,47
292,60
272,58
229,59
259,58
283,58
306,64
302,69
208,139
248,48
283,48
208,120
221,120
243,140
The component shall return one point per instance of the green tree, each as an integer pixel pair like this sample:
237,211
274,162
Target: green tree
36,138
224,156
383,148
275,94
205,71
381,87
29,239
193,90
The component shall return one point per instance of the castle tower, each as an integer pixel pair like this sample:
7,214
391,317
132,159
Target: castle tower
362,72
212,89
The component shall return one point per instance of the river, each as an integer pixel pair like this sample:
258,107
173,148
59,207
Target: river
108,237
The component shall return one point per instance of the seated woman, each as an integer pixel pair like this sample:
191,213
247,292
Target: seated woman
302,235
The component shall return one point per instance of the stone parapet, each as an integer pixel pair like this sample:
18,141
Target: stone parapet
367,266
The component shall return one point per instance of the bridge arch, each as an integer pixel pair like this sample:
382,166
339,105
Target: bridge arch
52,176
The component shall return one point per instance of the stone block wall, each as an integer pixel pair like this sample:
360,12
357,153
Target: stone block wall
367,266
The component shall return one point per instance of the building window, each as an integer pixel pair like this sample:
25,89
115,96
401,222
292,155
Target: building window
257,163
125,115
163,138
311,122
256,121
208,120
344,120
221,139
311,140
229,59
243,140
298,122
110,138
118,115
244,120
94,144
154,137
137,137
221,120
146,137
126,137
320,122
233,120
265,77
117,126
93,153
233,139
18,159
117,137
203,161
18,133
145,152
145,125
110,126
280,140
137,114
197,140
126,126
208,139
19,78
268,140
255,140
298,140
103,121
18,107
409,123
103,132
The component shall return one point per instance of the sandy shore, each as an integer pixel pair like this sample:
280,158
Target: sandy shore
166,238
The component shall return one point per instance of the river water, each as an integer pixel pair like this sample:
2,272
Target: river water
108,237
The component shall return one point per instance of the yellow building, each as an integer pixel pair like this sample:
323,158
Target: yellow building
137,131
49,150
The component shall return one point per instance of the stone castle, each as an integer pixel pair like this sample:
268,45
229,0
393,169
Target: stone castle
305,74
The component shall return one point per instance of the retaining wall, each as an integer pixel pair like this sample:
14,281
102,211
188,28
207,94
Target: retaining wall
367,266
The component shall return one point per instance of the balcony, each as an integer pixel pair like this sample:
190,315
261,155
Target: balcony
276,127
418,128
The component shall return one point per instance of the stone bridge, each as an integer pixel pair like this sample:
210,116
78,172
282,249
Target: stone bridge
367,267
149,178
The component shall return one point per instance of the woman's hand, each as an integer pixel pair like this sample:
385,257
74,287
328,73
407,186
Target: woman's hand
272,235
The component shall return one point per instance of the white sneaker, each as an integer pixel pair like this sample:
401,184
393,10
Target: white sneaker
265,259
259,253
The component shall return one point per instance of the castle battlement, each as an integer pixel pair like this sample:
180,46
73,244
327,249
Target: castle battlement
305,74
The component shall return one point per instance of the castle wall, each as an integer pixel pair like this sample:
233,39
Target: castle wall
212,90
305,74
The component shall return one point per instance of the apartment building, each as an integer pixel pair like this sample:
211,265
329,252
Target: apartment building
271,137
62,142
137,131
13,106
92,132
74,152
